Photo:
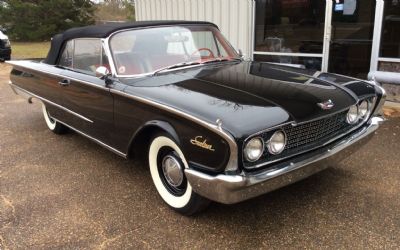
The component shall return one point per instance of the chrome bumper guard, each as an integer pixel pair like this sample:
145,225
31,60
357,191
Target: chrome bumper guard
231,189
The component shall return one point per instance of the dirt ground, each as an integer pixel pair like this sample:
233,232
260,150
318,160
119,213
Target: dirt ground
67,192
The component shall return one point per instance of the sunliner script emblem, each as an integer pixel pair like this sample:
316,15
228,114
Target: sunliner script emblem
326,105
198,141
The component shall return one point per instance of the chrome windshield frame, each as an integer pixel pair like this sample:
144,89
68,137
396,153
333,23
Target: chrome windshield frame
107,47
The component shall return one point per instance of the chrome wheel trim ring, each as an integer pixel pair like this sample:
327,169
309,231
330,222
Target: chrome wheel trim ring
171,199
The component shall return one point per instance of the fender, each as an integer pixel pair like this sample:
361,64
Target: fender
142,134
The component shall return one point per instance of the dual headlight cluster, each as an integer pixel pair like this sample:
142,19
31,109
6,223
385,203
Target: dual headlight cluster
360,111
254,148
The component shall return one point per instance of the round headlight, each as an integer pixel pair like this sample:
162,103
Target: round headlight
254,149
363,109
352,115
277,142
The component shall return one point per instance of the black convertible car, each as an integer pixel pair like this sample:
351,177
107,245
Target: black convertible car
211,125
5,47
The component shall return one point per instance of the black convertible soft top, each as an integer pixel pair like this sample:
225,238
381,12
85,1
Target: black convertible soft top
103,31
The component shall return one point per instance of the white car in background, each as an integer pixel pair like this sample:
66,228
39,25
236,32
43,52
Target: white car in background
5,47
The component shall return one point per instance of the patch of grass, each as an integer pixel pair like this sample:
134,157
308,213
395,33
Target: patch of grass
25,50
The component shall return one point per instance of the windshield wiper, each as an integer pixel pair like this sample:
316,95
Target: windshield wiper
222,60
185,64
174,66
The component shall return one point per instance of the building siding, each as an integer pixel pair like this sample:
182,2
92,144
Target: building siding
233,17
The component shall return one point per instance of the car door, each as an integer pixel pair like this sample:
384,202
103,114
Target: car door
42,80
84,94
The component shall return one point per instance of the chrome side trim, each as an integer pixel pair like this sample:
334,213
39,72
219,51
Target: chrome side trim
232,164
15,63
30,95
18,90
94,139
231,189
233,160
11,86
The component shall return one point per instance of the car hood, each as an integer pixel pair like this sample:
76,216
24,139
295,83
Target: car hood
250,96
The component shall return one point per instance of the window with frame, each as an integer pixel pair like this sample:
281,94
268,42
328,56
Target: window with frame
290,26
84,55
390,41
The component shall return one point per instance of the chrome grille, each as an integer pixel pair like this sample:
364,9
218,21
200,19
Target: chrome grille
306,136
314,132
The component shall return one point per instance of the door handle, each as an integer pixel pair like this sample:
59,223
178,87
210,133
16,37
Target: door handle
64,82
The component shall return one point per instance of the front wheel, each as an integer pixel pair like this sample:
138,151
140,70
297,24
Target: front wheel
52,124
167,164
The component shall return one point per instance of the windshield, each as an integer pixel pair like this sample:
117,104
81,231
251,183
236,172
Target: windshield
149,50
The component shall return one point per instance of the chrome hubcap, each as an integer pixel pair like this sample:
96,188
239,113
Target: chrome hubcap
172,170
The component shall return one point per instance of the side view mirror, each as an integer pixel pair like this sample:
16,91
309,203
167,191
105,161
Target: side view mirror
102,72
240,52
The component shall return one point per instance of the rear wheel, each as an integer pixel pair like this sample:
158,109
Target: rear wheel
52,124
167,164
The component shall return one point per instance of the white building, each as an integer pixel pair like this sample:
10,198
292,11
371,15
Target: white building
351,37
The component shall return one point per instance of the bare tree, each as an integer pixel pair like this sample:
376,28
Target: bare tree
115,10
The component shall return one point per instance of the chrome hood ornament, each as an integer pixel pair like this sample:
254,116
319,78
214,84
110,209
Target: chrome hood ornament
326,105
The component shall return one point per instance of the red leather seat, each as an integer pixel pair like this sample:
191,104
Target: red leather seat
129,64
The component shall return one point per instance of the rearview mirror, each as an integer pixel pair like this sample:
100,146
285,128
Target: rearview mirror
102,72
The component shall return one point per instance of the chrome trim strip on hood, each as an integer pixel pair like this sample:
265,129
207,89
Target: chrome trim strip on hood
349,92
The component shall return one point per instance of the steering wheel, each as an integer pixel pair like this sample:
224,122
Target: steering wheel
204,49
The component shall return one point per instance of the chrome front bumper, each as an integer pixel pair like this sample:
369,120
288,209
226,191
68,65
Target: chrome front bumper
230,189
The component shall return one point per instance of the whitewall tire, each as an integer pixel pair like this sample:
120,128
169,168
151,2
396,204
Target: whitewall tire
52,124
167,164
